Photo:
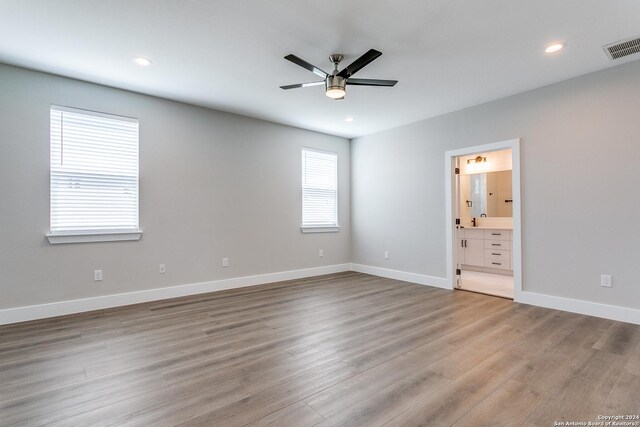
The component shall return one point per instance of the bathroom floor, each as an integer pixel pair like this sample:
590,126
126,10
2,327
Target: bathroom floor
487,283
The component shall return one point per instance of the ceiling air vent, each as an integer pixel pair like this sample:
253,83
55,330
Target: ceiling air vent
622,48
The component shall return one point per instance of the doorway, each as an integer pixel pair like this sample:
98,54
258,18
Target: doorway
483,219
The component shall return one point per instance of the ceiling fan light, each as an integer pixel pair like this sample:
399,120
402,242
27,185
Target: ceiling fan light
335,92
335,87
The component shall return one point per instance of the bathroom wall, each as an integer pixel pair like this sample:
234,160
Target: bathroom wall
497,166
499,160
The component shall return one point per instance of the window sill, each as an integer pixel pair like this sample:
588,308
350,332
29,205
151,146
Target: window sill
91,237
321,229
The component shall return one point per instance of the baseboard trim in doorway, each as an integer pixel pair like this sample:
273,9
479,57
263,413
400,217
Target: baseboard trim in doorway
42,311
421,279
613,312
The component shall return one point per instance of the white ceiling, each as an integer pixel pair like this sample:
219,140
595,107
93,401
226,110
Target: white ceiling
228,54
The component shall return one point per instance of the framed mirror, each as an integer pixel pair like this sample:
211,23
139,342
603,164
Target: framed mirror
486,194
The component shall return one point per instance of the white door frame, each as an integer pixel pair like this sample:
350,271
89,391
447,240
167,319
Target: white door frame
449,157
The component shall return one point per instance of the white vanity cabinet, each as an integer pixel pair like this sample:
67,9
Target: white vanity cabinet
472,246
489,248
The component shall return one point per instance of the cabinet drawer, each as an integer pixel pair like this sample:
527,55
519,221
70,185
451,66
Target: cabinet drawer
497,234
497,255
502,261
497,244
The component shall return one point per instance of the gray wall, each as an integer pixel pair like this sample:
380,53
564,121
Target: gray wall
216,184
580,186
211,185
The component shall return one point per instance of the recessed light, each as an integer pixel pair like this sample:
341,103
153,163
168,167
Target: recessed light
140,60
349,119
555,47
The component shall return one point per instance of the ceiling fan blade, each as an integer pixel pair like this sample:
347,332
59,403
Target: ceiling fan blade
371,82
359,63
306,65
302,85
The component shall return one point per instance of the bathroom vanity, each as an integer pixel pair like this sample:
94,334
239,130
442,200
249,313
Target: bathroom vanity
489,248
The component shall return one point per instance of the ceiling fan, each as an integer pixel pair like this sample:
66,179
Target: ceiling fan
336,82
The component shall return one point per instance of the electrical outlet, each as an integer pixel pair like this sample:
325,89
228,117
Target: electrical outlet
321,253
97,275
605,280
386,254
225,262
162,269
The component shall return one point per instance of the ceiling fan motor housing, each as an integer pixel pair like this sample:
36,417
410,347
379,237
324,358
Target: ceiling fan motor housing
335,82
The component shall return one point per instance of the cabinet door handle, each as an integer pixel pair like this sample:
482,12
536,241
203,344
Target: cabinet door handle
496,263
462,243
465,243
493,253
496,234
496,244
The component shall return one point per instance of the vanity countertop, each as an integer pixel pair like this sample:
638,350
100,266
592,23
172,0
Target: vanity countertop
486,227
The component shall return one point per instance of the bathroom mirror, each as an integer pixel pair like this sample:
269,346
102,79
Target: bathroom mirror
486,194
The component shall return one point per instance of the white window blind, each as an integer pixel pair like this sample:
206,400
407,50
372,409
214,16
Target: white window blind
319,188
94,172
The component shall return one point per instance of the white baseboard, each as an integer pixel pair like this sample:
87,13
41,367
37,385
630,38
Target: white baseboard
22,314
421,279
613,312
33,312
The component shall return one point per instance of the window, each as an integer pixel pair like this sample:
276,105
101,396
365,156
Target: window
319,191
94,177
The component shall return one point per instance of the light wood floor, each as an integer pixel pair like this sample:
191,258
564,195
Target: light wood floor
486,283
346,349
